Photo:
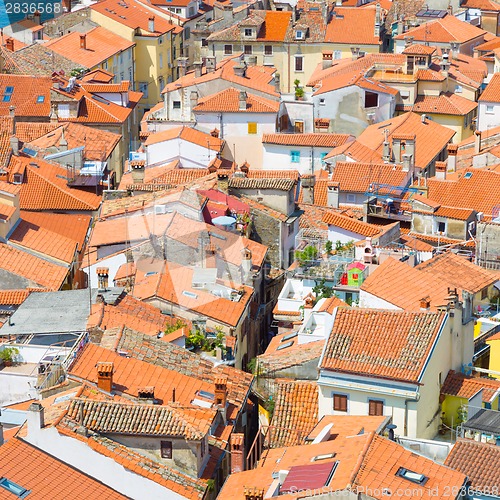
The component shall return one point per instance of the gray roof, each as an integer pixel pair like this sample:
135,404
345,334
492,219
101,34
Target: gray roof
50,312
487,421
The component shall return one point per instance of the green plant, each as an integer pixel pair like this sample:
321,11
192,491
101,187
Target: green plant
308,254
9,354
322,291
328,247
269,406
338,246
173,328
198,340
299,91
77,72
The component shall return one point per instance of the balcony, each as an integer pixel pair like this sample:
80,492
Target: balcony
382,212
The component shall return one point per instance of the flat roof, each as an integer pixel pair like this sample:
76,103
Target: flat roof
487,421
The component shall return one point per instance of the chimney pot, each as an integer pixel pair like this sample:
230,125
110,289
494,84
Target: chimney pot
36,417
242,100
9,44
425,304
477,142
105,376
102,278
151,24
83,41
237,452
253,493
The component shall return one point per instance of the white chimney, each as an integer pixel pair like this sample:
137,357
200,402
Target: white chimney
406,162
151,24
452,157
36,418
242,98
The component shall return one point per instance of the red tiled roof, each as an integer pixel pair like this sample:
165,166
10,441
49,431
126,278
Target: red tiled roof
310,140
349,224
39,271
352,26
492,91
444,104
458,384
45,476
418,49
6,129
187,134
377,343
479,462
101,44
227,101
26,90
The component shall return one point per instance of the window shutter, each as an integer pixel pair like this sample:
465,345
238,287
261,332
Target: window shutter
375,408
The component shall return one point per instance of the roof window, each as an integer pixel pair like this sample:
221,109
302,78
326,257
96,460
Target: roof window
284,346
414,477
6,98
189,294
40,99
289,336
468,175
14,488
323,457
9,89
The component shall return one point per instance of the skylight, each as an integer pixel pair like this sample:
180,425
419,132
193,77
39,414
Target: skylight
284,346
6,98
289,336
468,175
9,89
40,98
14,488
189,294
414,477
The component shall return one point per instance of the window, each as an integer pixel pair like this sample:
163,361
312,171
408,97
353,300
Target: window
371,100
484,293
490,109
299,63
187,31
322,101
458,89
160,40
351,198
161,82
204,42
299,35
414,477
298,127
228,50
339,402
13,488
191,13
337,54
6,98
122,76
176,104
248,49
268,50
375,408
295,156
161,61
40,98
441,227
166,449
143,87
252,127
290,229
322,157
63,110
248,31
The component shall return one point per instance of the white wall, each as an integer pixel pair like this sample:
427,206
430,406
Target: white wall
16,387
278,157
336,233
485,119
113,263
191,155
371,301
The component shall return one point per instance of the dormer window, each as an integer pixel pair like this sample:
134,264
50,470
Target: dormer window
300,35
248,31
18,179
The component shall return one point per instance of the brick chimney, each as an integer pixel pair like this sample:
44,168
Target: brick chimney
308,182
146,394
425,304
66,5
215,133
9,44
220,394
83,41
237,452
197,68
406,158
355,53
332,194
253,493
102,278
138,171
327,59
105,376
441,170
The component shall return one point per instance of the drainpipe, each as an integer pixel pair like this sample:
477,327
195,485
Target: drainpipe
410,400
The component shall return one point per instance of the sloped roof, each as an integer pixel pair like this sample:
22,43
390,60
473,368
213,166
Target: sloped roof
444,104
349,224
462,386
261,183
25,93
385,344
47,477
352,26
227,101
309,139
492,91
187,134
6,128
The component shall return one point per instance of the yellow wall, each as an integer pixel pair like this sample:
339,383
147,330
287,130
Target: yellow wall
450,407
494,356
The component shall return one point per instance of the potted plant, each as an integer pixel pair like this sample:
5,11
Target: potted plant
8,355
299,91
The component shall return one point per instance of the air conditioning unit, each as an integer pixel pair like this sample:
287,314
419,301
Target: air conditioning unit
160,209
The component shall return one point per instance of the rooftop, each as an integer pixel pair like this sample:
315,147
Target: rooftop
462,386
228,101
261,183
308,139
492,91
187,134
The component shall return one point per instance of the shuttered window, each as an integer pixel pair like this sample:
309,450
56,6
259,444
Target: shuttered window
339,402
375,408
252,127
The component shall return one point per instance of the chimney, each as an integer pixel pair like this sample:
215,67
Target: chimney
338,3
102,278
63,143
386,151
308,182
452,299
9,44
333,194
408,41
327,59
253,493
410,148
246,263
445,64
222,181
406,162
378,20
151,24
138,168
423,118
14,145
277,82
396,150
425,304
355,53
37,18
455,49
35,418
197,68
441,170
12,114
477,142
193,99
237,452
105,376
210,64
220,392
53,113
83,41
245,167
452,157
241,70
242,99
146,394
66,5
391,428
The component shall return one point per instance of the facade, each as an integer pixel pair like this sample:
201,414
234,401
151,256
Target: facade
489,106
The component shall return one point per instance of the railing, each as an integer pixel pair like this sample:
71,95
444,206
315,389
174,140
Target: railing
379,211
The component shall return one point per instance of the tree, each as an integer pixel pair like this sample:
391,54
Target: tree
328,247
309,253
322,291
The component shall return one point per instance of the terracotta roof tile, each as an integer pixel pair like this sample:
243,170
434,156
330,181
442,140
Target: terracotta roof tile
37,270
349,224
444,104
6,129
352,26
330,304
261,183
479,461
311,140
454,213
100,45
458,384
271,174
387,344
15,297
227,101
418,49
46,477
24,95
187,134
492,91
295,412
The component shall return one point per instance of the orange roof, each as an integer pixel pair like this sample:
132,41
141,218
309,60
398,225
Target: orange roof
458,384
331,303
349,224
444,104
100,45
342,80
45,476
187,134
13,297
227,101
29,131
6,129
358,177
295,412
311,139
378,472
25,93
418,49
276,25
454,213
377,343
258,78
479,461
445,30
271,174
352,26
45,187
134,15
487,5
492,91
34,269
174,284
